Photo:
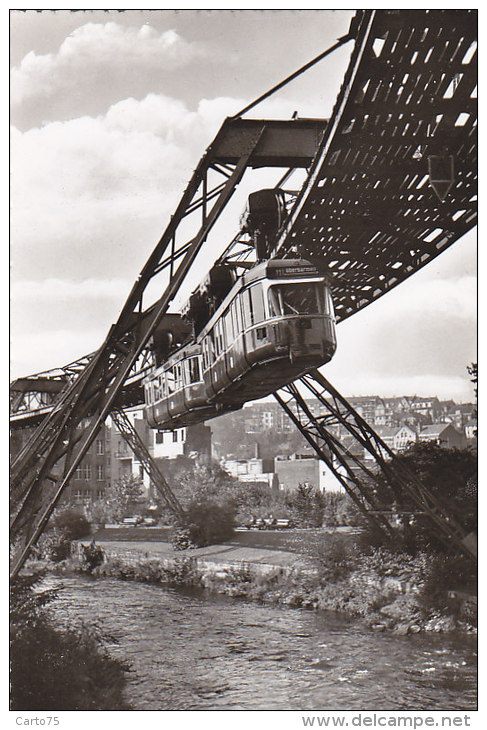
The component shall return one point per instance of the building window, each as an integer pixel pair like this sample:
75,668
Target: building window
100,476
174,436
78,494
78,474
100,493
100,450
159,437
87,471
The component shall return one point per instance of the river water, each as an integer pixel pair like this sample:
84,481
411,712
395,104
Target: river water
195,651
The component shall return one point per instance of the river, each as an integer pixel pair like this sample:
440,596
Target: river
195,651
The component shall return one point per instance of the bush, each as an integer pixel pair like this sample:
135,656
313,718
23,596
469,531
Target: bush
307,506
447,573
205,523
57,669
93,556
54,546
339,509
72,524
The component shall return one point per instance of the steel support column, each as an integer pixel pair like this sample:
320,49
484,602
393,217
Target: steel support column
149,464
324,425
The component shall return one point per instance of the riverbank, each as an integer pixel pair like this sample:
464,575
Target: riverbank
402,594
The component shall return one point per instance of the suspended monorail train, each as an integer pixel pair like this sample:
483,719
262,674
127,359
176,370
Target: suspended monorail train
275,323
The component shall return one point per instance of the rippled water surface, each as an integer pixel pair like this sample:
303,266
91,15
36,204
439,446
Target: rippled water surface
192,651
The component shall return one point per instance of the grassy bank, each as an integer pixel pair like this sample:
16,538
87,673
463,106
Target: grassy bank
388,591
53,668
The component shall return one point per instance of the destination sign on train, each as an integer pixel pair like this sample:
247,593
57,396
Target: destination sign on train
292,271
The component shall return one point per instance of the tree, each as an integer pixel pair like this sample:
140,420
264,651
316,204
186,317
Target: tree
449,474
205,523
307,506
203,481
124,495
472,371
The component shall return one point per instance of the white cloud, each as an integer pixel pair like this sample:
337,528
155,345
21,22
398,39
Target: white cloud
455,387
97,50
92,195
54,290
34,352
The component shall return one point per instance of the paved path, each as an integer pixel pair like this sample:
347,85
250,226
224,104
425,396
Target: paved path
211,554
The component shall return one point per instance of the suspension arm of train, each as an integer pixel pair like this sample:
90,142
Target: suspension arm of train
329,424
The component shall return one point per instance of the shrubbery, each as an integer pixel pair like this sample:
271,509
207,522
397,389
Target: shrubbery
205,523
58,669
72,524
93,556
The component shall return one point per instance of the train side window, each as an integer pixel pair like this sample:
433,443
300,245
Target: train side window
211,347
248,319
229,334
257,301
275,309
223,333
170,380
233,312
238,314
179,375
218,347
194,370
219,334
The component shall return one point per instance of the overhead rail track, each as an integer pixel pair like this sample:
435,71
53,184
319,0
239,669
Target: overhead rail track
395,181
391,184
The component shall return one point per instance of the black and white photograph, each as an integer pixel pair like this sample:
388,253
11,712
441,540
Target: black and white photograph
243,367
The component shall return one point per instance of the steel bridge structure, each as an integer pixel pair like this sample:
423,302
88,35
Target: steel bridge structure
391,182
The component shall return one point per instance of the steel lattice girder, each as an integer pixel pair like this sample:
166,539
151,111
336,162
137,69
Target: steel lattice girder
316,423
133,439
368,214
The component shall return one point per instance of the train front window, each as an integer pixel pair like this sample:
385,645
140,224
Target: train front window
288,299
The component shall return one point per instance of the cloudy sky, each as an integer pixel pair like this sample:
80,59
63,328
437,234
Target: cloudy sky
111,112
